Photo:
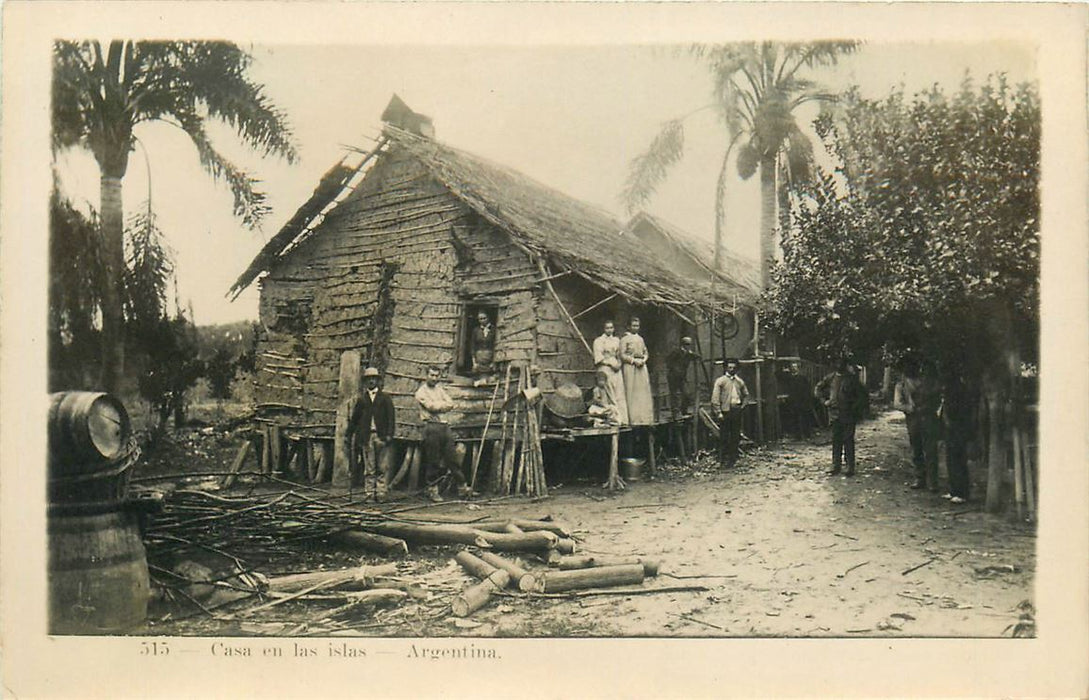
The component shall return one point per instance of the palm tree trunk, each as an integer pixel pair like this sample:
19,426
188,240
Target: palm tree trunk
113,339
768,195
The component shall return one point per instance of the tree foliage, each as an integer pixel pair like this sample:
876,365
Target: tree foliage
756,87
927,236
100,95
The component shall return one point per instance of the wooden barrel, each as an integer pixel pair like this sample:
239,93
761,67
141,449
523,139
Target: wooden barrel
86,430
98,576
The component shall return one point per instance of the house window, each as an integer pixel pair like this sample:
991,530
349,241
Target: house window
476,345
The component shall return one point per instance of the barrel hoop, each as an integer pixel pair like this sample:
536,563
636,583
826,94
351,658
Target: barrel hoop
134,557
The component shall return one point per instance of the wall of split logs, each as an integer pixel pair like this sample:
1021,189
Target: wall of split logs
437,255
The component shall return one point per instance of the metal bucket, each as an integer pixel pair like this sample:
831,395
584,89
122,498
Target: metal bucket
631,469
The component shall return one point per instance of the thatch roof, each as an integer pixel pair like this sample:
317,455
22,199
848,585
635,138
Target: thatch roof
567,233
737,270
570,234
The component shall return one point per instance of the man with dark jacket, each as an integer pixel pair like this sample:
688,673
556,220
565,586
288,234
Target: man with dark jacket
846,399
373,423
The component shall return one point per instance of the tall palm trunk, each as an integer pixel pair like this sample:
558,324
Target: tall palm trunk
113,340
768,195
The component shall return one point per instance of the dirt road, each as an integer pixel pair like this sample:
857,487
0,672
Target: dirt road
786,550
782,549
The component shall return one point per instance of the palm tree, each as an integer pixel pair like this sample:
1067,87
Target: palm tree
100,97
757,88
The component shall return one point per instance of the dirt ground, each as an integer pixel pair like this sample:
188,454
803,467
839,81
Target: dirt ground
781,548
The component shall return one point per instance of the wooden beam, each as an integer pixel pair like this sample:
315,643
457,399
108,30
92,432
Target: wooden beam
563,309
593,306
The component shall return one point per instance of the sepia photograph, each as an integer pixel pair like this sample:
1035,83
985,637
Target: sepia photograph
458,343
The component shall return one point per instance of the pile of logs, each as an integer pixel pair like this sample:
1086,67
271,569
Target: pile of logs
264,532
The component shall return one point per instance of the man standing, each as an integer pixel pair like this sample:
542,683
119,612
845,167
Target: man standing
373,423
677,364
845,397
728,398
919,397
439,453
483,344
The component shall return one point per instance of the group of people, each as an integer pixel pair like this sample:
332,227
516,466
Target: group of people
929,412
372,425
622,394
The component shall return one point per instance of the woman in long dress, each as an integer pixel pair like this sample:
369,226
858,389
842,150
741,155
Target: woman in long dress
634,355
607,359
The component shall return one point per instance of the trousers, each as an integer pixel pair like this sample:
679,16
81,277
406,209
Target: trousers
923,432
843,445
439,456
729,437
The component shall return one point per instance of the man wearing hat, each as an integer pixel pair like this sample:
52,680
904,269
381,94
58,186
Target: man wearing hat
677,363
373,423
846,399
729,398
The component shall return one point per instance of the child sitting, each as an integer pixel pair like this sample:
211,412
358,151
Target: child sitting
603,410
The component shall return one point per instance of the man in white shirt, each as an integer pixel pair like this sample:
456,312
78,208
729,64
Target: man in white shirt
439,453
729,398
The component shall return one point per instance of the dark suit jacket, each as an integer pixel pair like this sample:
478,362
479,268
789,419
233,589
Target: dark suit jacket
384,417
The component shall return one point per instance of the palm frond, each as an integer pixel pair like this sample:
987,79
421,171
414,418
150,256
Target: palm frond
649,169
249,204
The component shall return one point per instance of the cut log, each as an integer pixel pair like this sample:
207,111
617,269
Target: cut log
525,524
429,534
596,577
414,468
517,573
477,596
527,541
402,471
369,542
512,529
362,577
650,566
565,545
474,565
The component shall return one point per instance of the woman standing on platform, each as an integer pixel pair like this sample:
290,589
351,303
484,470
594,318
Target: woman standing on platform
633,353
607,360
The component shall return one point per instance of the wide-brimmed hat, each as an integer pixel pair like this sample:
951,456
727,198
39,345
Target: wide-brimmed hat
371,372
566,401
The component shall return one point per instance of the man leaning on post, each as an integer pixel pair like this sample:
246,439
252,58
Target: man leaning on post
728,398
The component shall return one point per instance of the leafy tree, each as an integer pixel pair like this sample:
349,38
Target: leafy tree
757,86
220,370
927,238
101,96
173,366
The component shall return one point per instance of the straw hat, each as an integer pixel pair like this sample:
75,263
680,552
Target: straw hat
566,401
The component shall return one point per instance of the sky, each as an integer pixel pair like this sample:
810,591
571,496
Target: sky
570,117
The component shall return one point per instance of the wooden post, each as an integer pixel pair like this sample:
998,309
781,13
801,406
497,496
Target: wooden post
614,481
759,387
996,456
1030,479
325,461
651,459
239,459
414,468
348,390
1018,473
275,462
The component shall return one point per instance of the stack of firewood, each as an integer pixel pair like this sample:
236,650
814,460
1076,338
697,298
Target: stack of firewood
520,466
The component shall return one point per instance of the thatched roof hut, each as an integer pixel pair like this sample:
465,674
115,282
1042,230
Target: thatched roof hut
395,256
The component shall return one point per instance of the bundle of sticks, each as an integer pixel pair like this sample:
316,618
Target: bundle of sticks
520,464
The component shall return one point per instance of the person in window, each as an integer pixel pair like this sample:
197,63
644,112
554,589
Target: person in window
373,423
482,344
634,355
607,360
729,397
439,453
